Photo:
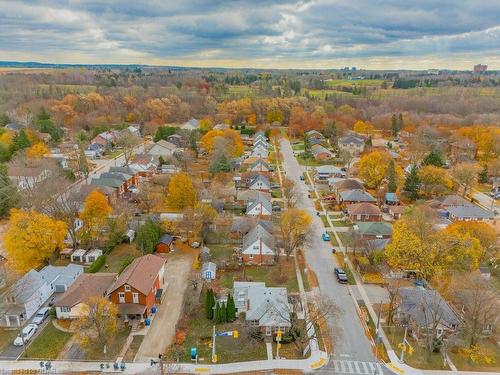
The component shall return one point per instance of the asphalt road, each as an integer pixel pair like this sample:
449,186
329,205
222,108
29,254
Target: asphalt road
349,340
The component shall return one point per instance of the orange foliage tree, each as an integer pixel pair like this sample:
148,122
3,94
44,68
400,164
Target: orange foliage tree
234,138
37,150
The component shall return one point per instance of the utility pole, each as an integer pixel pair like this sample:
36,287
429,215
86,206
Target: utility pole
214,355
403,348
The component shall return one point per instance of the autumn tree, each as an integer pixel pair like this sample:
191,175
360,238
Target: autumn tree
290,192
197,219
347,158
235,143
363,127
466,175
37,150
96,210
206,124
392,183
31,238
294,229
98,324
181,192
434,181
372,168
482,231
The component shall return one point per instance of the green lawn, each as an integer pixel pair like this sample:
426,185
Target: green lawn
325,221
298,147
310,161
341,223
220,252
268,274
276,193
113,154
48,344
116,256
420,358
133,348
7,336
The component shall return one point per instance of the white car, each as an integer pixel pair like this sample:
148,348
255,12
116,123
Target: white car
27,333
41,315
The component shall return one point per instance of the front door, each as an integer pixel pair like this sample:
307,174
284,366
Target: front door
121,297
269,331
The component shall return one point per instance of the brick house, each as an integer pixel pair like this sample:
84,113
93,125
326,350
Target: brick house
258,246
139,286
364,212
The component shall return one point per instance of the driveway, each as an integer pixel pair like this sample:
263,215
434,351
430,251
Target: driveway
349,340
162,331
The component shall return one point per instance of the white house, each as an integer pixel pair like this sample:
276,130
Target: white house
259,182
72,304
324,172
259,207
192,124
353,143
20,302
261,142
27,177
208,271
260,152
260,166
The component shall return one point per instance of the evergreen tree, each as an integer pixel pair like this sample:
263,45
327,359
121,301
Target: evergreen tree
433,158
412,183
231,309
223,313
400,122
4,120
220,165
369,141
209,304
394,125
8,192
483,175
42,114
20,142
307,144
392,184
217,315
83,164
148,236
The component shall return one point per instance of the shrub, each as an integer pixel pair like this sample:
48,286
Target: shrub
97,265
125,262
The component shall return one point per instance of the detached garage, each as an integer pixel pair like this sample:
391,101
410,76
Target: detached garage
165,244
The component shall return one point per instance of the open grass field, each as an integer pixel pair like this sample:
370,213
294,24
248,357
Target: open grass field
353,82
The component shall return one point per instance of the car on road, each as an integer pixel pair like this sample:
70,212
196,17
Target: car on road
41,315
341,275
302,178
325,236
27,333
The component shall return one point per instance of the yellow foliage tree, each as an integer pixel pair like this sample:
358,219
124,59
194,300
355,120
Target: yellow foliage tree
206,124
181,192
484,232
477,355
6,138
363,127
31,238
96,210
98,325
434,181
233,137
373,167
486,138
37,150
294,226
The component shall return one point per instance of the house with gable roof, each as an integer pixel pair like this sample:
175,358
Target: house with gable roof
258,245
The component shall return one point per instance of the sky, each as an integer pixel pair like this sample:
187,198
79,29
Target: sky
323,34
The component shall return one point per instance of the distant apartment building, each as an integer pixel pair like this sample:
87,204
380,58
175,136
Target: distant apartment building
479,68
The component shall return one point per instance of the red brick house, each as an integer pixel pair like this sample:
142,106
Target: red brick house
139,286
364,212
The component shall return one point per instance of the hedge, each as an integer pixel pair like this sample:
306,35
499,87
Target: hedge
97,265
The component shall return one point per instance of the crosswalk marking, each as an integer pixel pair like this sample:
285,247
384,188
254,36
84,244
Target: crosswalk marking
352,367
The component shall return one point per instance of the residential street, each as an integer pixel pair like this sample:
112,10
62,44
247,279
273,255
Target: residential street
349,340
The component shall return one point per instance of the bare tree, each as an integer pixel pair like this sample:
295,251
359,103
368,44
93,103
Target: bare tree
294,229
393,289
479,303
290,192
347,158
466,174
128,142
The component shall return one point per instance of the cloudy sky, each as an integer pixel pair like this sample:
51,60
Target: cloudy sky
377,34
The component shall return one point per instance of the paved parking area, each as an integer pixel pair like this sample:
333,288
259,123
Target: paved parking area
376,294
161,334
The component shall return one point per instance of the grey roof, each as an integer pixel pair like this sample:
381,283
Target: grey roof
261,232
351,138
374,228
266,203
116,175
469,212
191,124
425,306
328,169
311,132
63,275
125,170
107,182
356,195
377,244
252,195
318,149
166,239
269,306
454,200
262,162
259,177
209,266
14,126
24,288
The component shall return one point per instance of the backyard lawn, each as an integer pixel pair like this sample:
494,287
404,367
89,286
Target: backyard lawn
220,252
268,274
116,257
48,343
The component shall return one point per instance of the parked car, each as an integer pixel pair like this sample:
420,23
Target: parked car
341,275
41,315
27,333
276,208
325,236
302,178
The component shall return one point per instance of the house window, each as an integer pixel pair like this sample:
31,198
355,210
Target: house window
65,309
127,288
135,297
250,256
121,297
